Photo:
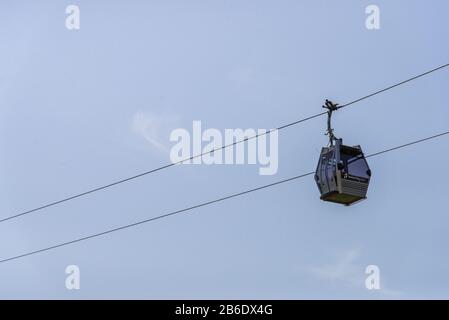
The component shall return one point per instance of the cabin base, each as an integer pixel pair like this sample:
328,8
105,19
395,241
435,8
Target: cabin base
342,198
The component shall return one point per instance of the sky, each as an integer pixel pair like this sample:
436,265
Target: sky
83,108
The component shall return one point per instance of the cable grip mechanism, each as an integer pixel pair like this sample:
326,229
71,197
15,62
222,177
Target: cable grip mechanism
331,107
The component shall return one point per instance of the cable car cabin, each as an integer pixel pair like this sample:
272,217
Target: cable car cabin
342,174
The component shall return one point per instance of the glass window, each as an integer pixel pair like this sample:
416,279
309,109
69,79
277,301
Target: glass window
355,165
358,167
330,163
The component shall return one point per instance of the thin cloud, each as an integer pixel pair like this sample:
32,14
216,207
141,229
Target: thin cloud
154,129
345,270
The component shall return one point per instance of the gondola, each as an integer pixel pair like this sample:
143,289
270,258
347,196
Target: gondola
342,174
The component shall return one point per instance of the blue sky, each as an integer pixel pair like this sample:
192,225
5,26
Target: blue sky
79,109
